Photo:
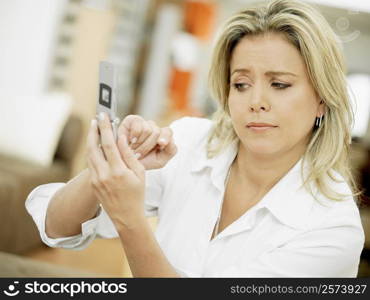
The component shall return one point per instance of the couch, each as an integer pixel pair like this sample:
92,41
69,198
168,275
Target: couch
12,265
18,233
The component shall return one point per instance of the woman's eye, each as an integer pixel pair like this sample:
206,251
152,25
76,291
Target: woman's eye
280,86
240,86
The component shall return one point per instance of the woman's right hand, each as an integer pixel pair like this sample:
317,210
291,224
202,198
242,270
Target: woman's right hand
154,145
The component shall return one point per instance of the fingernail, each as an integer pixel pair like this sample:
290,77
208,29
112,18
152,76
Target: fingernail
133,140
137,155
101,116
93,122
162,141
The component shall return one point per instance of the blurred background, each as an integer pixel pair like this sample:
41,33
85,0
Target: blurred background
49,60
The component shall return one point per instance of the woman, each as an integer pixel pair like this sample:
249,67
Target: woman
263,190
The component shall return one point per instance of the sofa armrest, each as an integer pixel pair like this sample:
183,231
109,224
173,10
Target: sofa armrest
70,140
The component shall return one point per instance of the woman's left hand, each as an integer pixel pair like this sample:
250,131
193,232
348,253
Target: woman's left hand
118,178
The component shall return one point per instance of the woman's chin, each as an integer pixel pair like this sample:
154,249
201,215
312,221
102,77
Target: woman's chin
262,150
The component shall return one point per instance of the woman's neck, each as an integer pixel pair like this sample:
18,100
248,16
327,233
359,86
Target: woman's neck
262,172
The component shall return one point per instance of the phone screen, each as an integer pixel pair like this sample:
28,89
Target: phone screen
105,95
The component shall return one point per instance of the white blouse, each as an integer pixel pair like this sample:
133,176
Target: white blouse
286,234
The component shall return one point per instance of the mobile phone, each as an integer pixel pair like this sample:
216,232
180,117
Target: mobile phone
107,98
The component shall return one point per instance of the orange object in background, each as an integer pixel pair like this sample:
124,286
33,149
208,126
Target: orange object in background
199,18
179,88
179,94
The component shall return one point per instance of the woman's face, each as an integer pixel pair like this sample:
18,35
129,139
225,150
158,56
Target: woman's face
269,84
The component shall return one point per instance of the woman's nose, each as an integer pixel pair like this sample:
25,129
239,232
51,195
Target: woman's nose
258,100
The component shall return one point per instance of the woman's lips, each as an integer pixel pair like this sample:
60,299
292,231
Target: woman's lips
260,127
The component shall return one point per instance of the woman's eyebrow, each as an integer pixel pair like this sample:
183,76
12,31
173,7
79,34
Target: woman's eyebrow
268,73
277,73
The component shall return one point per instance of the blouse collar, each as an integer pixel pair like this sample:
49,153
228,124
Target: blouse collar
288,200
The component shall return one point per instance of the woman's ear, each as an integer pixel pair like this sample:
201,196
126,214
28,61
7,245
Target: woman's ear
321,108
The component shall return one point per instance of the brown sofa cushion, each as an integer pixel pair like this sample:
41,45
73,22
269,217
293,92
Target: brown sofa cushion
18,266
18,233
9,193
17,180
31,175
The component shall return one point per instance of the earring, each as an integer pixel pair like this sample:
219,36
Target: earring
318,121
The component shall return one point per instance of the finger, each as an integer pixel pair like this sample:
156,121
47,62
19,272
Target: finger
146,131
94,178
150,142
92,171
129,156
95,154
89,164
164,137
108,142
132,128
125,126
170,150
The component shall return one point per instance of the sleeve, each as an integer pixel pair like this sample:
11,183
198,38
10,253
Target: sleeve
37,203
101,226
333,250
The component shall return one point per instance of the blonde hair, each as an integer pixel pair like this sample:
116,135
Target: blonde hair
309,32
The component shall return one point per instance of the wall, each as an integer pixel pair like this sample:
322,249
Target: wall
26,39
